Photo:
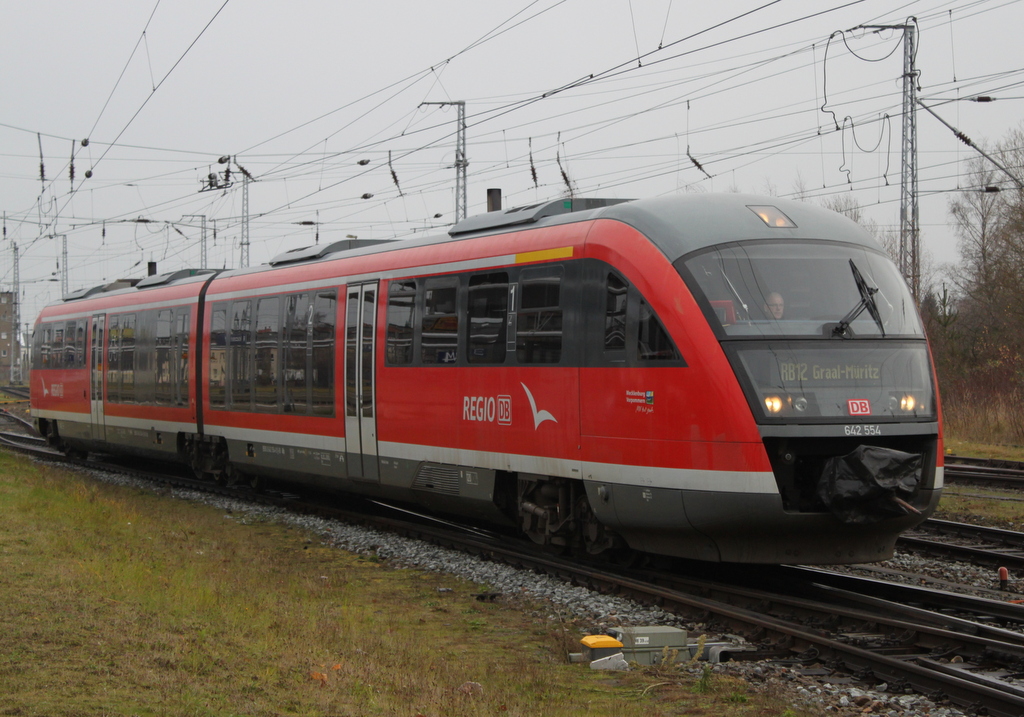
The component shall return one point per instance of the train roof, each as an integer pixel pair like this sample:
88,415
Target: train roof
180,276
681,224
677,225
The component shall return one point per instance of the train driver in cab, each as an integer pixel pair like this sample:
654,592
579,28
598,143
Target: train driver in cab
774,306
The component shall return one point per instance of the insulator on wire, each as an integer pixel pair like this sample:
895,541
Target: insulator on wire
394,176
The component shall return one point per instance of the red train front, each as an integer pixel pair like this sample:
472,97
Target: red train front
727,378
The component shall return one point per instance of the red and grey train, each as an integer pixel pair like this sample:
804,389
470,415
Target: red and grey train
718,377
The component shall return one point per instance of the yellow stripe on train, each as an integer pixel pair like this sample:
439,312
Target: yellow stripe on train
564,252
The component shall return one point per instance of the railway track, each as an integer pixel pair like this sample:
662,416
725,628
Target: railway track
19,392
941,645
981,545
984,471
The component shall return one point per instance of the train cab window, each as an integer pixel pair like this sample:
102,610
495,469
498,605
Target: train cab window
653,343
325,310
488,317
440,337
539,319
298,314
218,356
268,319
240,356
616,296
623,328
401,305
164,358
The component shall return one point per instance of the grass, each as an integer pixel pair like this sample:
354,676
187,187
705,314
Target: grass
116,601
982,506
979,449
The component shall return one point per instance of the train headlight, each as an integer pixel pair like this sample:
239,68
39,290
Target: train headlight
772,216
773,404
903,403
800,404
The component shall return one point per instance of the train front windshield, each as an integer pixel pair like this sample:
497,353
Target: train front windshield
804,289
818,331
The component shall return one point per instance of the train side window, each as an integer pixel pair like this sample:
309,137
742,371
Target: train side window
268,323
80,344
69,345
37,346
164,358
240,356
298,315
114,360
218,356
48,346
401,306
145,354
539,319
128,339
325,311
57,347
653,342
180,357
616,301
488,317
440,336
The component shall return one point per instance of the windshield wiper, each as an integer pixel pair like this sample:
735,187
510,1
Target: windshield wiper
867,301
746,311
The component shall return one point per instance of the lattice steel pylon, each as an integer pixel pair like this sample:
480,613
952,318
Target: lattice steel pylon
63,265
244,258
910,228
461,162
15,319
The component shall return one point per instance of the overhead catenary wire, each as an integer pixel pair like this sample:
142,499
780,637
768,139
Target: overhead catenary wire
327,169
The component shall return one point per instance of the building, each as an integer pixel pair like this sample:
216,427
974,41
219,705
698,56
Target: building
10,340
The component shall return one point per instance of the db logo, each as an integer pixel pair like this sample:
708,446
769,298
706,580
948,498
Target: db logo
859,407
504,410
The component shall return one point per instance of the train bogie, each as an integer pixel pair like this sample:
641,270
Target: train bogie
601,375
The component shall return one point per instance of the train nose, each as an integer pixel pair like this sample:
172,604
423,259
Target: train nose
870,484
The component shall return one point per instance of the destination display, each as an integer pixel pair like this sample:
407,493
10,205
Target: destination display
803,371
807,381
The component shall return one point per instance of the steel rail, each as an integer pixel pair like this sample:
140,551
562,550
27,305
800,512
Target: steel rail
21,392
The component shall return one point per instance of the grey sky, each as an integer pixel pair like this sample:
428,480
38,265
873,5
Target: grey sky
301,92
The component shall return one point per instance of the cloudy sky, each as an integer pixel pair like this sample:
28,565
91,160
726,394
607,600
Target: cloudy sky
323,104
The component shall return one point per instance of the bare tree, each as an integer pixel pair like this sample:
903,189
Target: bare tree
848,205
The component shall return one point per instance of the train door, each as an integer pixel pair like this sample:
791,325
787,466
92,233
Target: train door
96,377
360,396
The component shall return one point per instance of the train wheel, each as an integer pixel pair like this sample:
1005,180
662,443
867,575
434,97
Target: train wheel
232,476
596,537
76,454
257,483
203,474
